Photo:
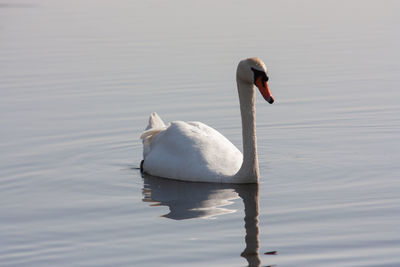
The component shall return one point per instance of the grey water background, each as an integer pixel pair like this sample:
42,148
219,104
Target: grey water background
78,80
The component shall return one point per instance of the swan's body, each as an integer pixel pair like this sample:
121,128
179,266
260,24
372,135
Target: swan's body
193,151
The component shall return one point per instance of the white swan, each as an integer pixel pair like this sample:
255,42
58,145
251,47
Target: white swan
193,151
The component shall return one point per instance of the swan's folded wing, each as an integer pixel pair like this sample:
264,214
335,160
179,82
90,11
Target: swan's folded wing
190,151
149,134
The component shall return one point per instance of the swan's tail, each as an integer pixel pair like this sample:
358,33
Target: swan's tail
155,126
155,121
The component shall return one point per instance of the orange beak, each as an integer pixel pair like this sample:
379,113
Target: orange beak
264,90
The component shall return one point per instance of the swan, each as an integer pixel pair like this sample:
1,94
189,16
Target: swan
193,151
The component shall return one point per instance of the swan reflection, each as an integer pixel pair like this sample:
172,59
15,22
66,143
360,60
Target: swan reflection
188,200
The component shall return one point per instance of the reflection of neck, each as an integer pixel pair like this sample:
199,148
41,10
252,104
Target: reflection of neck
250,200
249,170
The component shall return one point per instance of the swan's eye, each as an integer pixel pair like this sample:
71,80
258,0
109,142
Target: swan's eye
258,73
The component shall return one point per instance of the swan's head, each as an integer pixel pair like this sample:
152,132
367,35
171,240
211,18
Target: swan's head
253,72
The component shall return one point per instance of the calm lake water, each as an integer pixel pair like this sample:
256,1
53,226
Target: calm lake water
78,80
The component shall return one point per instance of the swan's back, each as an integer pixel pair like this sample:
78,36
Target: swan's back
190,151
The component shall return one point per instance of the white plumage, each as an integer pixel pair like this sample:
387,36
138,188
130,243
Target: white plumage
190,151
193,151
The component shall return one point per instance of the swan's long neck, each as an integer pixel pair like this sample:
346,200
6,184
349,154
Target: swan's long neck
248,172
